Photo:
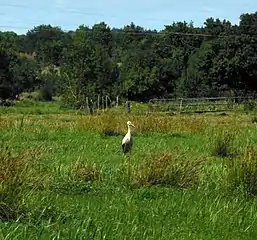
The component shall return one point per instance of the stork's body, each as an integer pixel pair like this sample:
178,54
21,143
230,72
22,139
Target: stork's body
127,141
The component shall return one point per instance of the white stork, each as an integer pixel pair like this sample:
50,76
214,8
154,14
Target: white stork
127,141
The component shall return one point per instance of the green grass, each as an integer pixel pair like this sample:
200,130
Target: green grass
78,185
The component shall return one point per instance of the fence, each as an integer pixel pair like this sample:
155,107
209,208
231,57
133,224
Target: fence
211,104
102,103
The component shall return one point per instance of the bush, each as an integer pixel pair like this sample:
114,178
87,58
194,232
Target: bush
78,181
243,173
114,124
223,144
254,119
249,105
17,174
45,94
46,91
166,169
84,171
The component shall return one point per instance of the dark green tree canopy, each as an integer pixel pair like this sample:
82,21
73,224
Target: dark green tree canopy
132,62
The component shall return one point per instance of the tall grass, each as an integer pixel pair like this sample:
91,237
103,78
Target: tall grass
18,173
223,143
144,124
243,172
61,179
79,178
167,169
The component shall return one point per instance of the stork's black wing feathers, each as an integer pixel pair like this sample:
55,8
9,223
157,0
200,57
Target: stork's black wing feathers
124,148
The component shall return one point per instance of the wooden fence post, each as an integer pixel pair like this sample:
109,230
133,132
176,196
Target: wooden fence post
128,106
103,103
117,101
180,106
106,102
98,102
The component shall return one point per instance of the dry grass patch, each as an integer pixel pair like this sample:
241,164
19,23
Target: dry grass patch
18,173
116,125
85,171
34,122
79,180
168,169
243,172
223,142
6,122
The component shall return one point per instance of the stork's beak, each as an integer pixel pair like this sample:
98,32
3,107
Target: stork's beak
133,125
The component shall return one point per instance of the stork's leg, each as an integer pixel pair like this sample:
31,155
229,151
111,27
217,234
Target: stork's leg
130,150
130,153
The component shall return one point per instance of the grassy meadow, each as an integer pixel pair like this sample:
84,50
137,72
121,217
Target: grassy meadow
63,175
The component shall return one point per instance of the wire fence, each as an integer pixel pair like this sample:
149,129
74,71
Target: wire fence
101,103
211,104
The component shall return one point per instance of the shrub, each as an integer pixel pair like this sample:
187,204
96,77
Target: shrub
17,174
109,127
79,179
166,169
249,105
46,91
223,144
243,173
85,172
254,119
110,132
116,124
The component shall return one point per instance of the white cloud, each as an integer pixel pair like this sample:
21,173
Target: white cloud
61,3
206,9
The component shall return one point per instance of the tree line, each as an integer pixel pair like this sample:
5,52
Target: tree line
134,63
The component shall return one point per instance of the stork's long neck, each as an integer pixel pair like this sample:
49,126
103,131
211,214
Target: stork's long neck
128,129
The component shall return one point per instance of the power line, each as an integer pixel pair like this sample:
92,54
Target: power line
75,11
128,32
143,33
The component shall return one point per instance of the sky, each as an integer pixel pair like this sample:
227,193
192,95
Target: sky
21,16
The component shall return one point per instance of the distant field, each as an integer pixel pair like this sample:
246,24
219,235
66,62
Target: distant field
63,175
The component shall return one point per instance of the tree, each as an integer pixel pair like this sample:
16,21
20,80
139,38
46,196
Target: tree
6,78
132,62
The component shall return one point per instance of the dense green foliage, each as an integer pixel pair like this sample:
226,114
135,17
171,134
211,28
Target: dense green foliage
135,63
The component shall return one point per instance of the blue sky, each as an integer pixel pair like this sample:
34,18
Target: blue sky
20,16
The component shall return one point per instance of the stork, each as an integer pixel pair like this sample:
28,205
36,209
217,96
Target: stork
127,141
